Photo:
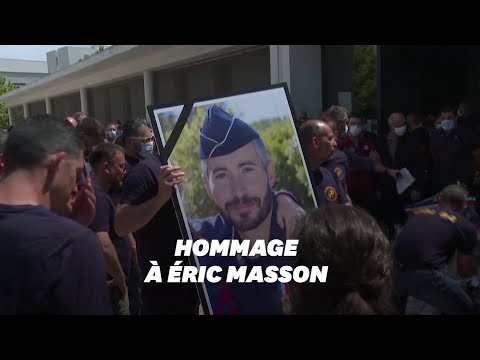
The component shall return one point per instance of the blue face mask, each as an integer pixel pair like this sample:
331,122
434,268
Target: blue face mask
147,149
112,134
447,124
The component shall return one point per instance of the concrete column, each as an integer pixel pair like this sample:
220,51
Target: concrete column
84,101
300,66
148,88
10,116
25,111
280,64
48,105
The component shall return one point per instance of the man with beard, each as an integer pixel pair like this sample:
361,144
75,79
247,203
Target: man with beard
138,141
108,167
238,176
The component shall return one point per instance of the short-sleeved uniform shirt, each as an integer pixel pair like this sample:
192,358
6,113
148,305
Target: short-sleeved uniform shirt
430,237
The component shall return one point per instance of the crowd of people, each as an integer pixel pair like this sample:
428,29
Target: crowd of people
85,206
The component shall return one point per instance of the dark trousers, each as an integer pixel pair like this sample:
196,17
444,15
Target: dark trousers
135,290
432,287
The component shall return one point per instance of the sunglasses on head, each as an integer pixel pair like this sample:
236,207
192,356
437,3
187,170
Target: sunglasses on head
145,140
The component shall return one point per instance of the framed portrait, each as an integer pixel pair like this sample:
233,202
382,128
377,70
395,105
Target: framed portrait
245,178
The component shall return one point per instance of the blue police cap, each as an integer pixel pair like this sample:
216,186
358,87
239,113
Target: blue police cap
222,134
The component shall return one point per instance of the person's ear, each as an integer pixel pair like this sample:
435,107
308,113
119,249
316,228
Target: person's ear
272,175
52,165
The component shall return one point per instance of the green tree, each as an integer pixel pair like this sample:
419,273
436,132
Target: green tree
365,78
100,49
5,86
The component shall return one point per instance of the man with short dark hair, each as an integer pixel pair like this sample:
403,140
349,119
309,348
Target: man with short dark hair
92,133
111,132
49,264
108,168
425,245
138,141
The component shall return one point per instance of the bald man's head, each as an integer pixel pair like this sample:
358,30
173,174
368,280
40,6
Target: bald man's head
311,128
318,141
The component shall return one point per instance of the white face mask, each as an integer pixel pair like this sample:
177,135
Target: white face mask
438,125
400,131
355,130
146,149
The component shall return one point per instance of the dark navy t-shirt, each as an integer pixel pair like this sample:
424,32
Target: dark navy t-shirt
103,222
157,240
49,264
430,237
328,187
130,162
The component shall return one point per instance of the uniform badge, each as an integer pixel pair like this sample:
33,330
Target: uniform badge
330,193
338,172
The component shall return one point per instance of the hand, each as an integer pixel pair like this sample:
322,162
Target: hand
288,213
374,155
81,206
415,196
169,176
120,283
393,173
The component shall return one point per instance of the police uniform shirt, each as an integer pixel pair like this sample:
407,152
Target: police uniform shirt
328,187
430,237
338,164
49,265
